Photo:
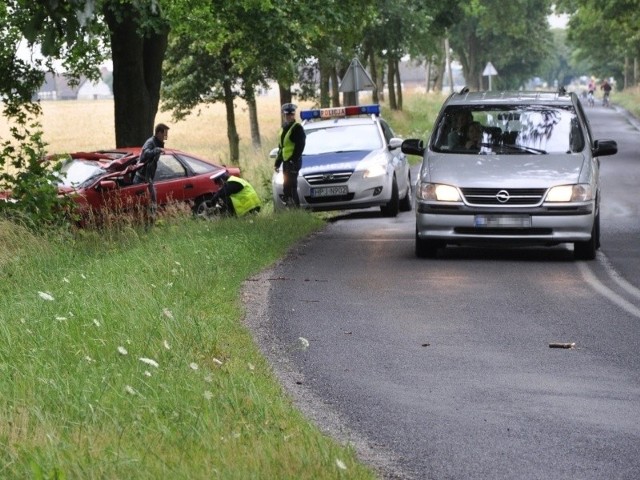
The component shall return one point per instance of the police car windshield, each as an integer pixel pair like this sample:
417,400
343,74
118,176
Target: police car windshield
342,138
510,129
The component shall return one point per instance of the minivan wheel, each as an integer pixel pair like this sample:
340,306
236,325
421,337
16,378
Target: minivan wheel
427,248
587,250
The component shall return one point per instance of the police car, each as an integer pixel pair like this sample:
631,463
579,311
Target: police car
352,159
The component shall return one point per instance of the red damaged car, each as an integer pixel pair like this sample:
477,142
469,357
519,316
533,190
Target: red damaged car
103,180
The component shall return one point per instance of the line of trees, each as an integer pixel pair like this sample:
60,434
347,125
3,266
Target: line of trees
605,34
190,52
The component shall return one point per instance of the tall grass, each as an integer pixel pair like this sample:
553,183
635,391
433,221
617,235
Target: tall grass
629,98
130,361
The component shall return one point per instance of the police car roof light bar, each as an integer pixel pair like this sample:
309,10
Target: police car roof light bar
336,112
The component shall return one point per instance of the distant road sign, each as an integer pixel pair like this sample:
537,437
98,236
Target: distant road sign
489,70
356,78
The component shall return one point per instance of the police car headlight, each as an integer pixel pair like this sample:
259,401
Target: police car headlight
570,193
375,170
278,178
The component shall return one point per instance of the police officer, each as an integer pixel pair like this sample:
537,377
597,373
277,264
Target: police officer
239,196
290,148
151,151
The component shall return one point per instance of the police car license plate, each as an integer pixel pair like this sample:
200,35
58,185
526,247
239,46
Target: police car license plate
503,221
329,191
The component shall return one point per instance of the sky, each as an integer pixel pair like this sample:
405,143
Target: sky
558,21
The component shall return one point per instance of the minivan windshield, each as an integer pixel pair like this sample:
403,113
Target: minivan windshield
508,129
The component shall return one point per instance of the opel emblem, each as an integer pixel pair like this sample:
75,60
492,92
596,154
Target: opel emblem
502,196
328,177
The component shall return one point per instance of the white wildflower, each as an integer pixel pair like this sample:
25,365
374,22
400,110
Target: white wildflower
169,284
149,361
304,342
129,390
167,313
147,373
340,464
194,366
215,360
251,366
166,345
122,351
208,395
88,359
61,319
208,378
96,322
46,296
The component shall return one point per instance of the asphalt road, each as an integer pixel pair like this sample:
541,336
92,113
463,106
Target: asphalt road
441,369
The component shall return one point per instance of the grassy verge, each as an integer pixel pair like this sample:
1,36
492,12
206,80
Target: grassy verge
126,358
628,99
123,354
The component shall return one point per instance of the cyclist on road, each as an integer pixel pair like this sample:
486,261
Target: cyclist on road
606,88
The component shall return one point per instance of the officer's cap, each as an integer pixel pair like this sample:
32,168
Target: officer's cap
289,108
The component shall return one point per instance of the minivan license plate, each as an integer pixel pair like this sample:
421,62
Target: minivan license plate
329,191
503,221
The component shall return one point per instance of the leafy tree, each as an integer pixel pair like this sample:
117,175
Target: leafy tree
138,34
500,32
23,170
251,42
604,33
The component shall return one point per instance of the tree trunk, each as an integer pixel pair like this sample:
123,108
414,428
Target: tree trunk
285,94
232,131
428,77
399,84
325,82
137,75
374,76
626,72
447,55
335,91
254,125
391,75
380,85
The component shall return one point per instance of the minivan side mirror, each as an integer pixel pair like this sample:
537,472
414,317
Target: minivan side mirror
413,146
602,148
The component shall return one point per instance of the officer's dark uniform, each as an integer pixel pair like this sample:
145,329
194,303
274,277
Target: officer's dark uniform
291,146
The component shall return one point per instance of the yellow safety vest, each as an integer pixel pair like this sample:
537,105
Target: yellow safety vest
287,145
246,199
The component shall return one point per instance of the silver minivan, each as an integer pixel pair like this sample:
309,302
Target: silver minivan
509,168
